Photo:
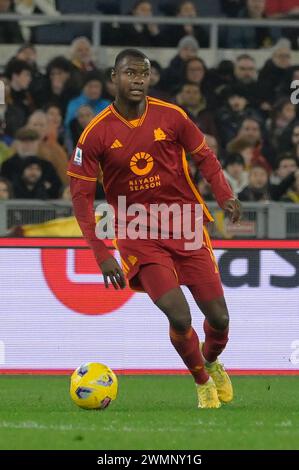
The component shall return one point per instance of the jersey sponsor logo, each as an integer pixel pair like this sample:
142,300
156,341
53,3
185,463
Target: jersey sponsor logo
159,134
141,163
78,158
116,144
145,183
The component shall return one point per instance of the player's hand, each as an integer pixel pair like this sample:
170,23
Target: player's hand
233,208
112,271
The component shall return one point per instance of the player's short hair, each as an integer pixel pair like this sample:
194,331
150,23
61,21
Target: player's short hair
129,53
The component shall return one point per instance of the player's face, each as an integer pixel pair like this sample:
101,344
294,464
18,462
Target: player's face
132,79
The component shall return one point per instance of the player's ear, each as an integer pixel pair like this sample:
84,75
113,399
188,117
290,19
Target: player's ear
113,75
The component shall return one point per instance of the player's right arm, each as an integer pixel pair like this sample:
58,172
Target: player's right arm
83,170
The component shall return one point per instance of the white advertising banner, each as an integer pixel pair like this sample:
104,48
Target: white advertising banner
55,312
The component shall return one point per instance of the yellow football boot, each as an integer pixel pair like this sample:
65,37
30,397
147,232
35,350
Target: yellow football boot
221,379
207,395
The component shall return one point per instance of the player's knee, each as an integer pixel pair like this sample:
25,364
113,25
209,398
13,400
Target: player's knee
221,321
181,323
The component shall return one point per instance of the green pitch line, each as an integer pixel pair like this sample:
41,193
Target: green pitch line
150,413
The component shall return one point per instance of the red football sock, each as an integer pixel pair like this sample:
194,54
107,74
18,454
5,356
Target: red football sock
215,342
187,346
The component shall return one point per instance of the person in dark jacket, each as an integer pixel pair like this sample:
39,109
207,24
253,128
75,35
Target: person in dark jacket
62,83
172,75
251,37
10,32
145,35
275,72
31,183
174,33
20,101
27,143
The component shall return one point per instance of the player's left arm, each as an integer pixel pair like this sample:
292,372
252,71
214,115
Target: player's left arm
193,141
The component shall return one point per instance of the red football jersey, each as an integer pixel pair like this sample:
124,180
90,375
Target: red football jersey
145,160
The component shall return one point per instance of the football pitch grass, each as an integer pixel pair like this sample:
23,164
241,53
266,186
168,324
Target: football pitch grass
151,412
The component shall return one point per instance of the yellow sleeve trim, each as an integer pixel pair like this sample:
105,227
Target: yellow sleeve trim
199,147
194,189
93,123
81,177
167,105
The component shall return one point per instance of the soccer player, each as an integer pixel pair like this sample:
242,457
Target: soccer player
140,144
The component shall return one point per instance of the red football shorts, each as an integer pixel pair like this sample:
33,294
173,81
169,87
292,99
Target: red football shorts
157,266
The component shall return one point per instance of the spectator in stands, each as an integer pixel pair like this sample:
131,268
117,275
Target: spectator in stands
196,72
231,8
282,8
250,130
26,145
251,37
49,149
155,89
84,115
172,75
82,55
195,104
55,123
244,147
230,116
219,77
288,140
286,166
288,9
29,7
4,137
275,72
61,85
284,176
245,77
10,32
143,35
292,194
31,183
291,75
245,71
5,152
27,52
235,173
91,95
257,189
173,33
109,91
6,191
295,141
20,102
283,115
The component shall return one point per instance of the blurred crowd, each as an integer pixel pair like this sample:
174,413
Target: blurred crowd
151,34
247,115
